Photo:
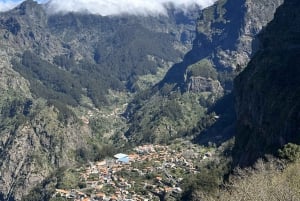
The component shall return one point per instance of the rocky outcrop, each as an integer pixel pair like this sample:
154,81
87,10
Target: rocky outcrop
201,84
267,92
231,33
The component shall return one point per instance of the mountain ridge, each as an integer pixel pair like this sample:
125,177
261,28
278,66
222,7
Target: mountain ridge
223,44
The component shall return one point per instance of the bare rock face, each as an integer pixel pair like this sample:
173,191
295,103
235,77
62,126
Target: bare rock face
202,84
225,35
34,149
9,79
231,33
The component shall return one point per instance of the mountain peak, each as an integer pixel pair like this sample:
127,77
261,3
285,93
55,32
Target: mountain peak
28,7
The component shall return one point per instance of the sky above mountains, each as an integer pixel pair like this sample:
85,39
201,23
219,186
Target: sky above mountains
6,5
113,7
9,4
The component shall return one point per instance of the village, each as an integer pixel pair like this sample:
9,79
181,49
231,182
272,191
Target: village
149,172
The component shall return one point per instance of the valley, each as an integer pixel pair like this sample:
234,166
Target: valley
195,103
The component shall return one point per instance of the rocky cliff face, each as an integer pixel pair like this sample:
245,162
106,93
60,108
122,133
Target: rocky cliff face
267,92
231,33
201,84
225,32
34,148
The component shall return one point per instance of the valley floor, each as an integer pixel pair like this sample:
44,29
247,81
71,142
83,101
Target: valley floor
153,172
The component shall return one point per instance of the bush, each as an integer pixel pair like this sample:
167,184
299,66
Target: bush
290,151
203,68
207,182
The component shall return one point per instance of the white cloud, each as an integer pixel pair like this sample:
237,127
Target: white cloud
7,5
112,7
116,7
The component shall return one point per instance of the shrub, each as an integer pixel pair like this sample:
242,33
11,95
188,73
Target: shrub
203,68
290,151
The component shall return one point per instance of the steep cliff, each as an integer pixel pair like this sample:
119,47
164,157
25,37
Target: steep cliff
225,32
267,92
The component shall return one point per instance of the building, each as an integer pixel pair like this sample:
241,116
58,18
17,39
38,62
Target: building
122,158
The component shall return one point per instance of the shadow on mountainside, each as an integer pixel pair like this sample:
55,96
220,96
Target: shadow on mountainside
223,127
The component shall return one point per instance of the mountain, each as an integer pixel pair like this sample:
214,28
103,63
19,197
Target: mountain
65,80
224,43
267,91
267,104
119,49
225,32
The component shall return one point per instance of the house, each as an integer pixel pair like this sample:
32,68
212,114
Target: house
101,163
133,157
113,198
80,194
122,158
62,193
99,196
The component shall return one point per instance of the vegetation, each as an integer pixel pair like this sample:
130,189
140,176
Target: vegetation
118,62
291,152
266,181
121,50
42,191
14,110
270,180
211,15
66,87
12,25
96,152
165,117
203,68
207,182
68,179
